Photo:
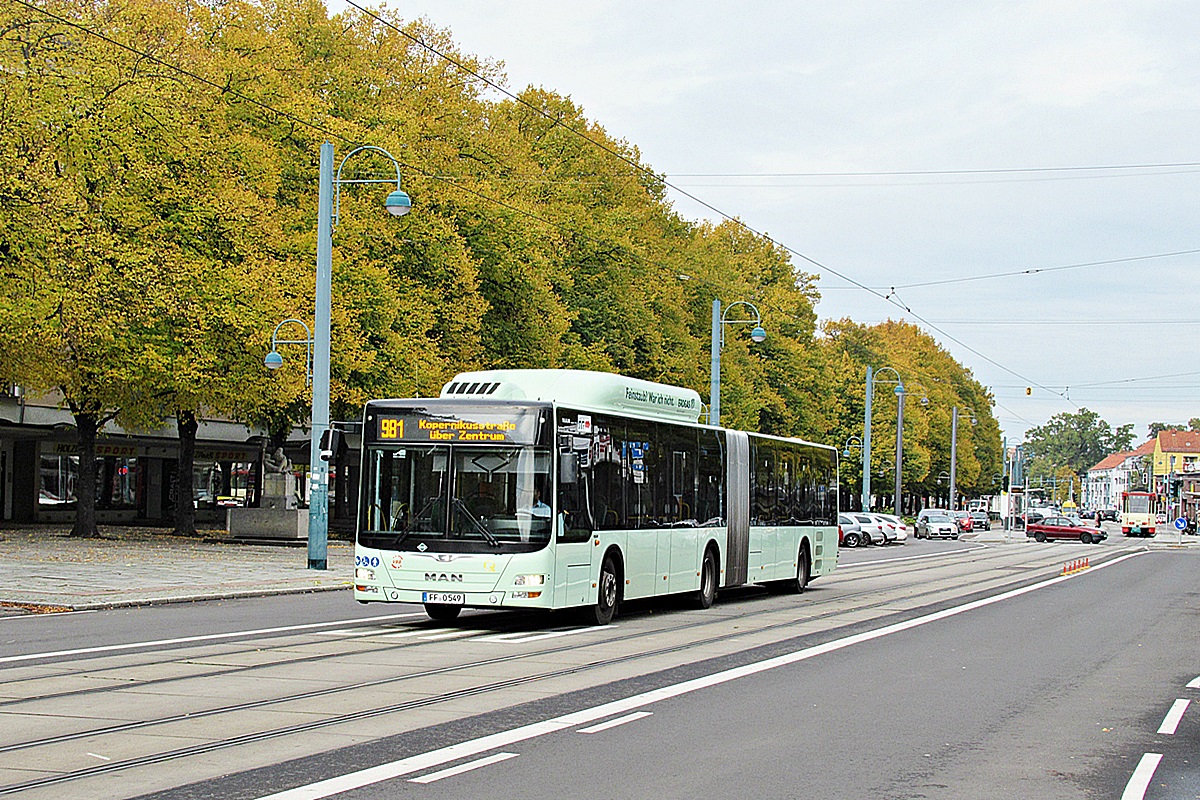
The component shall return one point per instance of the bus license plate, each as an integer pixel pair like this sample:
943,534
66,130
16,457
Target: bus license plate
443,597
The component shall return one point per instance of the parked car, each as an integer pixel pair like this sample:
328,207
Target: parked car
980,521
871,528
851,531
1064,528
901,527
939,525
891,527
963,520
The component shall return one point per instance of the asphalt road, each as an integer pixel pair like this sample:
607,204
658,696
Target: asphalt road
944,670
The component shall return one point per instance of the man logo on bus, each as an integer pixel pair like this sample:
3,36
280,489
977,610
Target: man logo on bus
443,576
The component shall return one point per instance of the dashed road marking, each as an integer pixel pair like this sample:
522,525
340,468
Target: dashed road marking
1140,781
461,768
1171,720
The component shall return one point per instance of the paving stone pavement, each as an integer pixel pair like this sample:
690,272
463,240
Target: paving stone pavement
45,569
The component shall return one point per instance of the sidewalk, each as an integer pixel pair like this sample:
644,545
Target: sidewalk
43,569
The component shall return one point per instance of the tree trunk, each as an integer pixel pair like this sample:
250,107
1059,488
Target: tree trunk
185,509
87,424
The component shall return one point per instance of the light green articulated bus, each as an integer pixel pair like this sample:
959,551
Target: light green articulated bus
549,489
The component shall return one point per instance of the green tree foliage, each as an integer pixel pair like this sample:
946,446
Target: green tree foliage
1155,428
1077,441
162,225
934,385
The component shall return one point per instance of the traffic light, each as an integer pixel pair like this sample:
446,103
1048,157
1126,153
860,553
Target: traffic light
1028,390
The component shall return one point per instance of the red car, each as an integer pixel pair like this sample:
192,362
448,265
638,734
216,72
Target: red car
962,521
1064,528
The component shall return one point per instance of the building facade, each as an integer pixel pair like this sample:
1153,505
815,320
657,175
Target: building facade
136,470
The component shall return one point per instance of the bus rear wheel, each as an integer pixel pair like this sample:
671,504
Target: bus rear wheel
708,581
442,612
606,593
800,582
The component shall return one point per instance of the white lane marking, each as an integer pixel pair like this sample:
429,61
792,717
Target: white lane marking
612,723
413,632
1195,684
454,752
1139,782
1171,720
453,634
207,637
534,637
461,768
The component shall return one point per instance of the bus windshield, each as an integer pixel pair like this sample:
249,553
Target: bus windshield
453,498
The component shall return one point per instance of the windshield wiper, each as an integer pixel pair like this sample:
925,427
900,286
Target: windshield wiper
461,507
412,518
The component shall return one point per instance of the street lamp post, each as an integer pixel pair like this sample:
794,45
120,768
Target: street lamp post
899,448
398,204
872,379
954,452
718,341
851,443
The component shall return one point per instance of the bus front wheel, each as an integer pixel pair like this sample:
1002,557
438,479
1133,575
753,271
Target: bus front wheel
606,592
442,612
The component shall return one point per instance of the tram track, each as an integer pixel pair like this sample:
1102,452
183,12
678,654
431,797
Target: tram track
845,577
858,601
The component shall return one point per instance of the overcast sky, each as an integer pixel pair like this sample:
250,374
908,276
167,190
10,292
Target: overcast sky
773,112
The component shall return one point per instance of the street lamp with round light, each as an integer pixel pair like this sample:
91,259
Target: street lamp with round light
719,321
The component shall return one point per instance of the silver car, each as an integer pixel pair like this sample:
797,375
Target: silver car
936,525
851,531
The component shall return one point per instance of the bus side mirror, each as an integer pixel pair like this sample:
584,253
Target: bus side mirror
331,440
568,468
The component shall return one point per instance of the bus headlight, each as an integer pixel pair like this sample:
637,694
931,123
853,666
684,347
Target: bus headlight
364,574
530,580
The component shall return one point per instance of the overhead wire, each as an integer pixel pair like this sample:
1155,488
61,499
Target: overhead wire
700,201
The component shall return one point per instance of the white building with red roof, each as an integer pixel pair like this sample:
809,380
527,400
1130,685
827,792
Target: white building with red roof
1104,483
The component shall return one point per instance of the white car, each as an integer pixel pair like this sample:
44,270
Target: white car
939,525
901,528
872,528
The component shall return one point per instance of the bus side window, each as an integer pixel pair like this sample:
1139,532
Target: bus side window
710,498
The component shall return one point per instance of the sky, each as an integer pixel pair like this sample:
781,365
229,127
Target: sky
988,170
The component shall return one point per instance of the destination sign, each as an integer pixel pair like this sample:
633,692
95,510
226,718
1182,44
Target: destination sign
515,428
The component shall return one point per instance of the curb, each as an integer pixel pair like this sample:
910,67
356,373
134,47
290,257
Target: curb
56,608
